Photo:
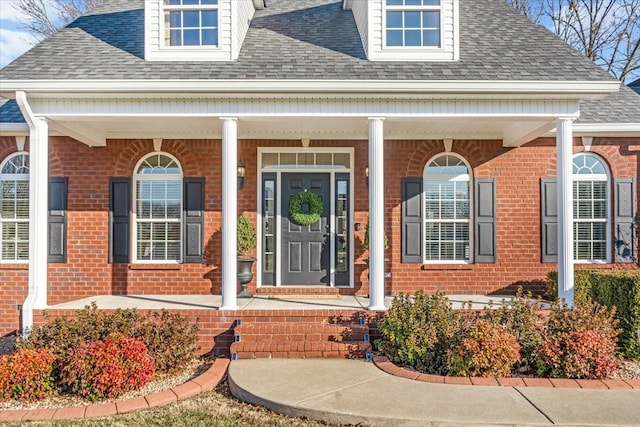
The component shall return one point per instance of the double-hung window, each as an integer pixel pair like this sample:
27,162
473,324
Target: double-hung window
191,22
447,204
590,208
14,208
158,209
413,23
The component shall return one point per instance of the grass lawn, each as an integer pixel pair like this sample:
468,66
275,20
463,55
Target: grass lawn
215,408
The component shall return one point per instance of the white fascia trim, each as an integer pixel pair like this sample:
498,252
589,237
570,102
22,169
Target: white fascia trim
582,89
604,129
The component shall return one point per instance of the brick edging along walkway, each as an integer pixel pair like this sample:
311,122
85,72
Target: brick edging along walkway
387,366
202,383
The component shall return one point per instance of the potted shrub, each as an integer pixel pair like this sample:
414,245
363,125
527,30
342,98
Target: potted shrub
365,242
246,242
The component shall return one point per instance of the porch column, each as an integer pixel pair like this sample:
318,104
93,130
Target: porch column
38,218
229,213
376,213
564,144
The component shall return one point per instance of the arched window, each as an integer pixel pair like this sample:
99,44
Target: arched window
158,209
14,208
447,201
590,208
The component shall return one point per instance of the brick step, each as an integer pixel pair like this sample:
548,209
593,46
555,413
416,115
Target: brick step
300,350
284,332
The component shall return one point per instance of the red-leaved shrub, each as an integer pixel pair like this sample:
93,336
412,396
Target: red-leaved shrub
107,368
584,354
27,374
579,342
487,351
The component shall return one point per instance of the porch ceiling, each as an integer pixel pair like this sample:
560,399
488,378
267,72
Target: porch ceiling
95,131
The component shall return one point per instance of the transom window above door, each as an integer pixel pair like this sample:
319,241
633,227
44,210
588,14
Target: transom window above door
413,23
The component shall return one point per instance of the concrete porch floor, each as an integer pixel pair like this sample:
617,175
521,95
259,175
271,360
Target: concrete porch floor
259,302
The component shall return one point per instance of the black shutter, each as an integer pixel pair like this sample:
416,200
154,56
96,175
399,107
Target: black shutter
57,227
119,213
412,219
193,219
625,239
485,220
549,219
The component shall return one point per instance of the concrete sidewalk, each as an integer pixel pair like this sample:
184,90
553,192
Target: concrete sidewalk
354,391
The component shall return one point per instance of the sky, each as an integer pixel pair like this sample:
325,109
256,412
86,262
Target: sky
14,41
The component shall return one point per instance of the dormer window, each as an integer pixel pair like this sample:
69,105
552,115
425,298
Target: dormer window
413,23
190,22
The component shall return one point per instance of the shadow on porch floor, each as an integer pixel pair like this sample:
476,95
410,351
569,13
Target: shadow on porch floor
213,302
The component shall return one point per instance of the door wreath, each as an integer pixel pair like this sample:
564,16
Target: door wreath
298,201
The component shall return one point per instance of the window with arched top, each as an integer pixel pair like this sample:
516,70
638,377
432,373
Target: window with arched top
14,208
590,209
447,212
157,185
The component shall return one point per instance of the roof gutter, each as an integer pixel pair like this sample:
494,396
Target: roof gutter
445,87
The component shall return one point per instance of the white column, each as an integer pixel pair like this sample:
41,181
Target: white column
376,213
229,213
38,218
564,144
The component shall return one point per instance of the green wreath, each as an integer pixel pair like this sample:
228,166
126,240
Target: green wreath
300,199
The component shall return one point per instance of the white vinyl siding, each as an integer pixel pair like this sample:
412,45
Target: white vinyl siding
447,210
360,11
14,208
590,209
156,33
244,13
158,209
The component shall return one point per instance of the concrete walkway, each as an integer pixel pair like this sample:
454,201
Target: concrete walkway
354,391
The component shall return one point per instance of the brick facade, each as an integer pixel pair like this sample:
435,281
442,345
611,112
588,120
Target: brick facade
517,172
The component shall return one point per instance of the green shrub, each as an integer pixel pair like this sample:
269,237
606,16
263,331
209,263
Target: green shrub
27,374
612,289
581,285
170,338
578,342
487,350
522,318
246,235
107,368
622,291
418,330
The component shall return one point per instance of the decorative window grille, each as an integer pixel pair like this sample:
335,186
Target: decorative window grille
14,208
413,23
191,22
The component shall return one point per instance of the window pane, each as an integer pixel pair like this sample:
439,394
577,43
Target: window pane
412,38
175,19
175,38
412,19
191,37
394,38
209,18
394,19
431,19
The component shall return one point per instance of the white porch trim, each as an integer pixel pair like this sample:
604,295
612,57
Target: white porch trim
564,144
38,212
376,213
229,213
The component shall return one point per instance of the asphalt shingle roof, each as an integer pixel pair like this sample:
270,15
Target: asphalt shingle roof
620,107
305,39
9,112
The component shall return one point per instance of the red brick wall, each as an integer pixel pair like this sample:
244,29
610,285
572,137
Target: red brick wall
517,172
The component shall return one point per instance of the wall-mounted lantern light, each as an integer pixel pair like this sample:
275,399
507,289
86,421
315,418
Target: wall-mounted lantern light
366,174
241,172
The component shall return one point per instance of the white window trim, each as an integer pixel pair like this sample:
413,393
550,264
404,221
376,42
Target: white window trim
195,7
468,177
606,177
13,177
134,218
412,49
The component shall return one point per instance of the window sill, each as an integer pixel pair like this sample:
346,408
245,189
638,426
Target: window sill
16,266
438,267
155,267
